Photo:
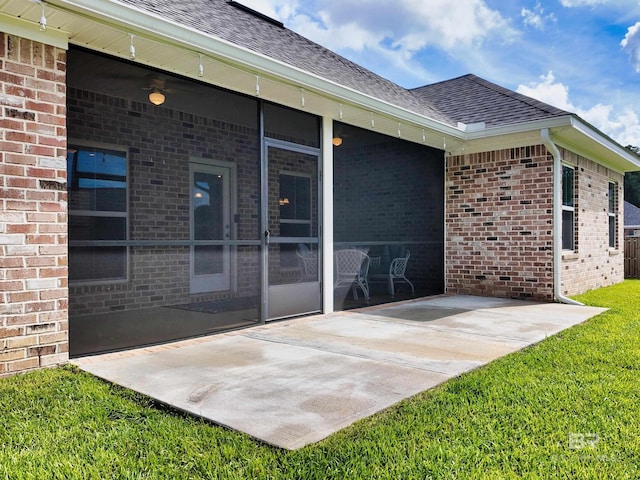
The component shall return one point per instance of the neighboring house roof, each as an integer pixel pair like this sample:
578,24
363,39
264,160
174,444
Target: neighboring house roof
631,215
471,99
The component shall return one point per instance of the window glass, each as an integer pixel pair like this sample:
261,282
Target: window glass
295,197
98,180
612,215
87,227
91,264
568,213
97,186
567,186
567,230
612,198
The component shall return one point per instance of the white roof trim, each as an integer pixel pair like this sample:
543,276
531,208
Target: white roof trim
133,20
26,29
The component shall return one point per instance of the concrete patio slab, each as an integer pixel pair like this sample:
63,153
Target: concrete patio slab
295,382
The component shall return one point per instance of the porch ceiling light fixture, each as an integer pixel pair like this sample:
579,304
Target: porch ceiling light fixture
156,97
132,48
200,66
43,18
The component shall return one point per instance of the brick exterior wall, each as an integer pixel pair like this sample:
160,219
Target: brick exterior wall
593,264
500,225
33,205
499,222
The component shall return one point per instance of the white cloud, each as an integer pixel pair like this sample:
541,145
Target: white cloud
623,126
583,3
548,91
410,24
395,31
536,18
631,44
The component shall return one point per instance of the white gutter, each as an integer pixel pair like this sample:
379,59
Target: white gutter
515,128
557,218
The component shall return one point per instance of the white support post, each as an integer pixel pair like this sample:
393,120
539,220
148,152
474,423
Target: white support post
327,215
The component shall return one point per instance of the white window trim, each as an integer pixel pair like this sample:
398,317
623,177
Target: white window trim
107,281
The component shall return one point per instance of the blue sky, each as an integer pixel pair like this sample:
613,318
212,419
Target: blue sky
580,55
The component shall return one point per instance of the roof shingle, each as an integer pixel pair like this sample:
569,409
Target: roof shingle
471,99
631,215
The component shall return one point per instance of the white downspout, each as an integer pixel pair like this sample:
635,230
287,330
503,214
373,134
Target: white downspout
557,218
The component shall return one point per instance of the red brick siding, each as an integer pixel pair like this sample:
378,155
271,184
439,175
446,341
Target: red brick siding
499,223
593,264
33,205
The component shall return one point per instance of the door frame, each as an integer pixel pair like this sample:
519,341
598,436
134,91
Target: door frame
229,279
306,289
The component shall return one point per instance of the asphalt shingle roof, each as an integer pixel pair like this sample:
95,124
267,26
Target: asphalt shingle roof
471,99
631,214
467,99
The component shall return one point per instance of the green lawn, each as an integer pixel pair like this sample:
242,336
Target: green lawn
568,407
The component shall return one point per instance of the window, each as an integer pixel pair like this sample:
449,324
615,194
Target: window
97,185
295,213
568,212
613,203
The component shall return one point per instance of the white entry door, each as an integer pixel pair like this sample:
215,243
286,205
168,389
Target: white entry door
210,222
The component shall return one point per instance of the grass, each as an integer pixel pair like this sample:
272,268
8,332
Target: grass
568,407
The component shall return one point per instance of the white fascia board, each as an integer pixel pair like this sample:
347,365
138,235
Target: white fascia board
137,21
31,31
516,128
588,140
606,142
509,136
